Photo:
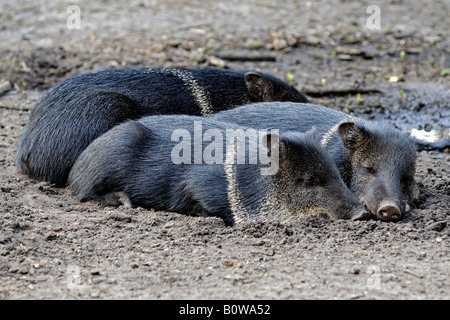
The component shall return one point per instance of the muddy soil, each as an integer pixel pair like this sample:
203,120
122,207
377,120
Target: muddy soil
53,247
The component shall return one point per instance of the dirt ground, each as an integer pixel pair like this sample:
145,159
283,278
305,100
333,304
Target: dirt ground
53,247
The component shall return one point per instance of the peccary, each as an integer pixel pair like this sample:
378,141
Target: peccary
74,112
376,161
141,163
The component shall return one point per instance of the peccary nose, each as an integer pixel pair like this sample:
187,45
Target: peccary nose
389,211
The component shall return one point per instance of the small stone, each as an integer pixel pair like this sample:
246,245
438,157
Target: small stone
5,86
118,216
437,226
355,270
50,236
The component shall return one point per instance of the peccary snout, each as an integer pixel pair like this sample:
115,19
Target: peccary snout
361,214
349,207
389,210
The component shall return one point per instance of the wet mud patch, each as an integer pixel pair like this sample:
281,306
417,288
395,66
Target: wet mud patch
419,106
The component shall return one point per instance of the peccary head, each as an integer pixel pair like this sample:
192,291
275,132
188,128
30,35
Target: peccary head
308,182
382,168
263,87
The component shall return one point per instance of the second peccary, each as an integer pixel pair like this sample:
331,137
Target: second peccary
74,112
215,173
376,161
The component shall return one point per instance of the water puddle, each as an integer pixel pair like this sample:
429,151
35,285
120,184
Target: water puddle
431,135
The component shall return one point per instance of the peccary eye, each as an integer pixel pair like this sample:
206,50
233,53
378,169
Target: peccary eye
308,182
305,182
370,170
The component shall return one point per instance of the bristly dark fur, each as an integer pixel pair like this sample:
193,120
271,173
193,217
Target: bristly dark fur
134,159
76,111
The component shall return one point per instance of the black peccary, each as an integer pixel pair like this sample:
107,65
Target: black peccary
139,162
74,112
376,161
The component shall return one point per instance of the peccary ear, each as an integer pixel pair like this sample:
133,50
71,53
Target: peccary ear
350,134
258,87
